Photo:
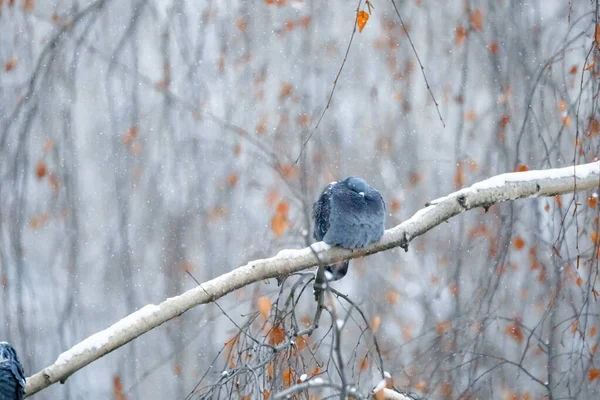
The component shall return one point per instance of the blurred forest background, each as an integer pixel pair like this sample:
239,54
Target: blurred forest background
146,139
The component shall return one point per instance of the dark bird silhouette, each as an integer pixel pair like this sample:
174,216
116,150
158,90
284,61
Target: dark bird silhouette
12,377
349,214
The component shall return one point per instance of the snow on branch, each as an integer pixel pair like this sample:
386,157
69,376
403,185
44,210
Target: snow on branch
484,194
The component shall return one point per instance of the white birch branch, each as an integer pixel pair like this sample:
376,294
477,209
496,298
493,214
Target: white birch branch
503,187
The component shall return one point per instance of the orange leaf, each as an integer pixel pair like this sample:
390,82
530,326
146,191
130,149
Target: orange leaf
279,224
392,297
573,327
593,201
562,105
285,91
241,24
266,394
263,305
283,208
593,374
590,65
379,395
454,289
573,70
519,243
306,320
477,20
493,47
129,136
459,177
48,145
595,237
579,281
522,168
593,128
232,180
461,35
361,20
446,389
270,370
289,25
40,169
304,21
53,183
363,364
177,369
421,386
514,331
407,332
303,120
443,327
276,336
288,377
597,36
118,389
301,343
593,331
10,65
375,323
28,6
261,127
395,205
558,200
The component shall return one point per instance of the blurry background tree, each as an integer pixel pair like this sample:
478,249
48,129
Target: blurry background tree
143,140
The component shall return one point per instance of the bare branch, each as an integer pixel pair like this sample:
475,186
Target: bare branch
484,194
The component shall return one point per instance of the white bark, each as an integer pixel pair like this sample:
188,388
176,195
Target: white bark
484,194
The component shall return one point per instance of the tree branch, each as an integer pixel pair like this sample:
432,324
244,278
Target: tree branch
484,194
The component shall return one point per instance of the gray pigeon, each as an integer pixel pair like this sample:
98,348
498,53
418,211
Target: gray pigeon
12,377
349,214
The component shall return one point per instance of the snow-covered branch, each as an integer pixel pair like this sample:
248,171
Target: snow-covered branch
483,194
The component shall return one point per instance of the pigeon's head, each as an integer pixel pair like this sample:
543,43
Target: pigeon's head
7,352
357,185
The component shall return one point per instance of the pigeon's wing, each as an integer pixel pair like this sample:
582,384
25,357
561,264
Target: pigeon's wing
354,221
321,212
11,386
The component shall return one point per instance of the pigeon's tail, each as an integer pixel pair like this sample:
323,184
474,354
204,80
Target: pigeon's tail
337,271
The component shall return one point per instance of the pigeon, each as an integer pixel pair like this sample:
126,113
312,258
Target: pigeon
12,377
349,214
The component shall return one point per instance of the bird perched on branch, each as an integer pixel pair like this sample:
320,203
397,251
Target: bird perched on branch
12,377
349,214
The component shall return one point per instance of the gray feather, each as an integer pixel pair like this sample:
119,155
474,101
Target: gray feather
12,376
349,214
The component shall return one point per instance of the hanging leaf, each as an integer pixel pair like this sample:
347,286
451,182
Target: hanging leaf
361,20
375,323
276,336
118,389
477,20
263,305
461,35
10,65
288,377
279,224
40,169
519,243
514,331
